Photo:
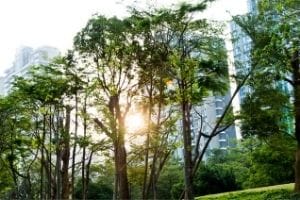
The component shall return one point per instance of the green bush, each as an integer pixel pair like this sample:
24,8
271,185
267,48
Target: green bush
212,179
96,190
170,183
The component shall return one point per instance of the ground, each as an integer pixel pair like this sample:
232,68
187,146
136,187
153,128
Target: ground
271,192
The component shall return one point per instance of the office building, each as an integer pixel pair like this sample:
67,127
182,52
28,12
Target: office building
24,58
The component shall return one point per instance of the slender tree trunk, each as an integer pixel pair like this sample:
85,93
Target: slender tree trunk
50,157
151,182
188,165
145,193
116,179
87,175
52,134
66,156
122,156
74,147
42,196
297,133
296,79
83,177
58,156
297,171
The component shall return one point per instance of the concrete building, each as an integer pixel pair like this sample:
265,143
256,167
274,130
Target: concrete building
213,106
24,58
204,118
241,45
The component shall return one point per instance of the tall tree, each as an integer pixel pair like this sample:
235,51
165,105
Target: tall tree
197,65
275,55
17,153
160,118
49,88
107,45
195,62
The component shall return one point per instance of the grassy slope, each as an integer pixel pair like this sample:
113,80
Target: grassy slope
271,192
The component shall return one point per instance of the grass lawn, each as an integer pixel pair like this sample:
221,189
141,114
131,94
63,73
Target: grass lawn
271,192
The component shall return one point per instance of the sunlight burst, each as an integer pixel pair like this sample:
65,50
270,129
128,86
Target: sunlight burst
134,122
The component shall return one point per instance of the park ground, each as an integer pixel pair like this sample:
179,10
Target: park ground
284,191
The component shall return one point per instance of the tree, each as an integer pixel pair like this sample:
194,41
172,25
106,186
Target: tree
17,153
46,93
107,46
275,53
196,64
156,101
266,111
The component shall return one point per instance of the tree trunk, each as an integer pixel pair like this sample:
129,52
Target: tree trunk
50,184
147,143
297,170
116,183
42,196
66,156
121,168
296,80
120,151
87,175
188,165
297,134
83,177
74,146
145,195
58,157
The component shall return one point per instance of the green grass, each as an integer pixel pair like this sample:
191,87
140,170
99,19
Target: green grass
276,192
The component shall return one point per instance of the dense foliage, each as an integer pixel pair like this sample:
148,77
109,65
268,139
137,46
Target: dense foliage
63,128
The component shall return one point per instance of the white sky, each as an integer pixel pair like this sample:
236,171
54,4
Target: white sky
55,22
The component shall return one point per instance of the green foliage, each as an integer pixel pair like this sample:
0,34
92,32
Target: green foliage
96,190
268,110
274,192
6,181
265,111
170,183
256,163
272,163
273,32
122,57
212,179
136,175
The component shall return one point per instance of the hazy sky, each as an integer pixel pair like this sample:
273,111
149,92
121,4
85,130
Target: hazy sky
55,22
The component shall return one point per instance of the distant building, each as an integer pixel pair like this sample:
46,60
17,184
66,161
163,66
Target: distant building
24,58
242,45
252,6
204,117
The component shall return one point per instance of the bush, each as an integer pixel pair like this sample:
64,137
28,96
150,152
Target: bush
170,183
96,190
212,179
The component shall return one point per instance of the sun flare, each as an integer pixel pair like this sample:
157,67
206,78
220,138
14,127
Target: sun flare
134,122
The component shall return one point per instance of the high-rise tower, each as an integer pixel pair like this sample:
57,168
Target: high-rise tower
24,58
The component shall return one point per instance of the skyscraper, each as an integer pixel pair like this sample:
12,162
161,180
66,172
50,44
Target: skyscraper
24,58
242,45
